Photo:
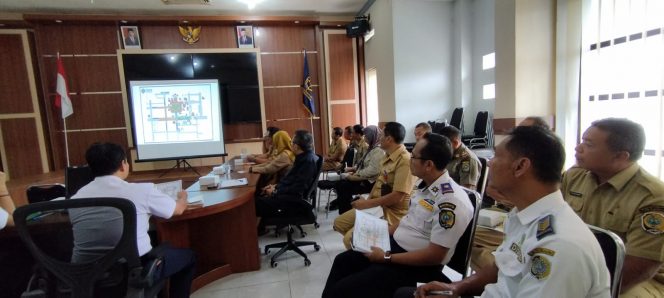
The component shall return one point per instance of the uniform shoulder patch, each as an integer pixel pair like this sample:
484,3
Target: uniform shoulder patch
653,222
465,166
446,188
540,267
542,250
446,218
446,205
545,227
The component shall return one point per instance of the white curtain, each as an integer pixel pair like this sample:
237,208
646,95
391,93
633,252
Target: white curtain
622,69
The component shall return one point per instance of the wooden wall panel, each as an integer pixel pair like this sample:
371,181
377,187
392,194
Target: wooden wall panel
78,69
344,115
341,68
285,38
239,131
21,146
168,37
80,141
77,39
291,126
281,70
281,103
15,89
93,111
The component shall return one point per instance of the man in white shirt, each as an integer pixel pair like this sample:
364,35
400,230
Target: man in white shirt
100,228
548,251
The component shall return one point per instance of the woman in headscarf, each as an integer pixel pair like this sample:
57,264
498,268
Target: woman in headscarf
360,179
268,150
272,171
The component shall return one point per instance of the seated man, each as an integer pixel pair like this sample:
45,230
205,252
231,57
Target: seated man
108,163
392,188
465,166
486,240
336,151
421,129
421,244
607,188
361,147
548,250
286,197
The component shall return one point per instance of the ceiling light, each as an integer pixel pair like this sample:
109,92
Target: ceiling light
58,21
296,22
185,22
123,21
242,22
251,4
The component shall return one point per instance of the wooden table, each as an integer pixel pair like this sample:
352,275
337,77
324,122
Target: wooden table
222,232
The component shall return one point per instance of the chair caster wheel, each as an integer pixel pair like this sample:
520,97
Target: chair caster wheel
316,225
303,234
307,263
317,247
273,264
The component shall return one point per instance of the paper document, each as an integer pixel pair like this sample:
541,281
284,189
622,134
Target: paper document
233,182
171,188
370,231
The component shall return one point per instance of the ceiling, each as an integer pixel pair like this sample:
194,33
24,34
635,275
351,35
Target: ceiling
157,7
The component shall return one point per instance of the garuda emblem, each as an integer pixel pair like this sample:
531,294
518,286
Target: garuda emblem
190,34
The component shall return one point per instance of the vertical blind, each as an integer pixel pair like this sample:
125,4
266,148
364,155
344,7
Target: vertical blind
622,69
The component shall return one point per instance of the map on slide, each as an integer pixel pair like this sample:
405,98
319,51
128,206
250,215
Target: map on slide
175,113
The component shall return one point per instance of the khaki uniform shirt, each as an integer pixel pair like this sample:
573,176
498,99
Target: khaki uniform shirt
394,176
464,167
337,149
360,151
630,204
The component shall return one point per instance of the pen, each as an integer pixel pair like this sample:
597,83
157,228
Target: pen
432,293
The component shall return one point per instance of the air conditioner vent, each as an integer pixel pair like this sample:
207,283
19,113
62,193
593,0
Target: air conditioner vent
190,2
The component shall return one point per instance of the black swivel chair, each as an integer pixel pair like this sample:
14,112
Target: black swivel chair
614,256
484,176
45,192
116,273
480,136
461,258
306,218
75,178
457,119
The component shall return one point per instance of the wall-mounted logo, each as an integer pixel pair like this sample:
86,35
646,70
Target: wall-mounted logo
190,34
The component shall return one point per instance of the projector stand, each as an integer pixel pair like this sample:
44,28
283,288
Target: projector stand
181,163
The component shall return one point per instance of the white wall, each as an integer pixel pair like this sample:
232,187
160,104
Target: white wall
379,54
483,37
422,61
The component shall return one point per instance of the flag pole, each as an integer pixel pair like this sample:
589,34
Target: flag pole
64,122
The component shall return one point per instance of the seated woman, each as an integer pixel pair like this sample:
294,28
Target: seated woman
268,152
273,170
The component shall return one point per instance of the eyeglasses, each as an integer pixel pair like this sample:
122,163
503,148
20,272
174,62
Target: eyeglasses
420,158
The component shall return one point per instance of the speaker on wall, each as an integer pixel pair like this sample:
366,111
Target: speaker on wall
358,28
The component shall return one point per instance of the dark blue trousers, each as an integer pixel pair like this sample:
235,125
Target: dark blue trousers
178,266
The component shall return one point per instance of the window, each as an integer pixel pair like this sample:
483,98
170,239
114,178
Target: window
372,97
488,61
622,69
489,91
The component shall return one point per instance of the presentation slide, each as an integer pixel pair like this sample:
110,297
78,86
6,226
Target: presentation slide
176,119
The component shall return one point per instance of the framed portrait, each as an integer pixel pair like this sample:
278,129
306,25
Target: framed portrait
245,36
130,37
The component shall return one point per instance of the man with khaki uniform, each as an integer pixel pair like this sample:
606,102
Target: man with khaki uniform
392,188
607,188
465,166
336,151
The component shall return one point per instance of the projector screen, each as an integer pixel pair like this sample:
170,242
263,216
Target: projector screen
176,119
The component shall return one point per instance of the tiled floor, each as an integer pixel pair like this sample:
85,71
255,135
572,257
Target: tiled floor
290,278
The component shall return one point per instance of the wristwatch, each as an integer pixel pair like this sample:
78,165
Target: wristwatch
388,257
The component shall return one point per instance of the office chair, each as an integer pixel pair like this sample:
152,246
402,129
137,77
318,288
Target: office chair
75,178
436,127
45,192
461,258
457,119
309,217
116,273
614,256
349,158
484,176
480,136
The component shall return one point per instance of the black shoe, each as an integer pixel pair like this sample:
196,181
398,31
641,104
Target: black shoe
326,184
333,205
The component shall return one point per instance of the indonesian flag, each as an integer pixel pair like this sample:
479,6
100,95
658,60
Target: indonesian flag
62,92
